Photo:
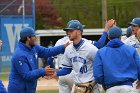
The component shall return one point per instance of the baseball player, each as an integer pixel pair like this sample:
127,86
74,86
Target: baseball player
134,40
128,34
117,65
2,88
79,56
24,71
66,82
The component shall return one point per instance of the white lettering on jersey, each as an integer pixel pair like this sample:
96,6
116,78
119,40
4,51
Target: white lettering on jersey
78,59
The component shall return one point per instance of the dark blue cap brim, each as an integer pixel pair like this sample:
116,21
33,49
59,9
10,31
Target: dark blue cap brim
35,34
66,29
131,23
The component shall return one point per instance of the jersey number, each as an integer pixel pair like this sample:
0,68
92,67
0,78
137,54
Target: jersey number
83,69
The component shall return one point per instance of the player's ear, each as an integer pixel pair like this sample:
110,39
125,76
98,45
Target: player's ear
79,32
28,38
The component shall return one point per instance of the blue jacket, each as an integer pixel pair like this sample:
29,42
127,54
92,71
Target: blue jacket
24,67
116,62
2,88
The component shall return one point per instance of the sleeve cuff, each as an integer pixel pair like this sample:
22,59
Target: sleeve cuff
43,72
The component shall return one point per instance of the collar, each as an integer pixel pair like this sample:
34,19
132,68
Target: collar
24,46
77,46
115,43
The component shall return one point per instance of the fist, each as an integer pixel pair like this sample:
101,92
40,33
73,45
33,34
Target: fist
49,71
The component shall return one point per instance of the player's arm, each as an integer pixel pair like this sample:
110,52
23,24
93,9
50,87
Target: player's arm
101,42
63,71
52,51
24,69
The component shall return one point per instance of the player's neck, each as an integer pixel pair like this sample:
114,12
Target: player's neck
77,40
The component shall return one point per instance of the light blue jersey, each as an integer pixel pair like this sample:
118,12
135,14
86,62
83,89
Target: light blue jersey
81,61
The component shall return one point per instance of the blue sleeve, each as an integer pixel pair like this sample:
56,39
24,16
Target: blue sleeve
50,62
101,42
97,69
48,52
137,60
64,71
2,88
27,70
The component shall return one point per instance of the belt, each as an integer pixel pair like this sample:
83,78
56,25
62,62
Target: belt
92,83
129,83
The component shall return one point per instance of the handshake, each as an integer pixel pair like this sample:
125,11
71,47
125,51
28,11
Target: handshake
50,73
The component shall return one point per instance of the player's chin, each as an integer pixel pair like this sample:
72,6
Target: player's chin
71,39
33,44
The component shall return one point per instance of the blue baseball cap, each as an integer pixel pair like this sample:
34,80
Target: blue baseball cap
114,32
135,22
129,31
74,25
27,31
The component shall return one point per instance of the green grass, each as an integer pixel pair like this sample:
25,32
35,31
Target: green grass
5,68
47,91
4,76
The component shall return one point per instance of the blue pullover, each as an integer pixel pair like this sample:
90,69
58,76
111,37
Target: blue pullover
24,67
116,62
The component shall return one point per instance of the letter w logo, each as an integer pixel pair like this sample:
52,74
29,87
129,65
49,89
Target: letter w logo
13,32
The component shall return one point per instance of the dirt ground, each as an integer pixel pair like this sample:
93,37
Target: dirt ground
43,84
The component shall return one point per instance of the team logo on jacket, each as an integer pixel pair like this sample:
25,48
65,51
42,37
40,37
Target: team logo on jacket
20,63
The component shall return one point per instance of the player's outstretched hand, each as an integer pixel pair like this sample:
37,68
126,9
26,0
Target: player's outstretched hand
109,24
138,85
49,71
65,45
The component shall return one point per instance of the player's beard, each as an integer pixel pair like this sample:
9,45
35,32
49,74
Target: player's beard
32,44
70,38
